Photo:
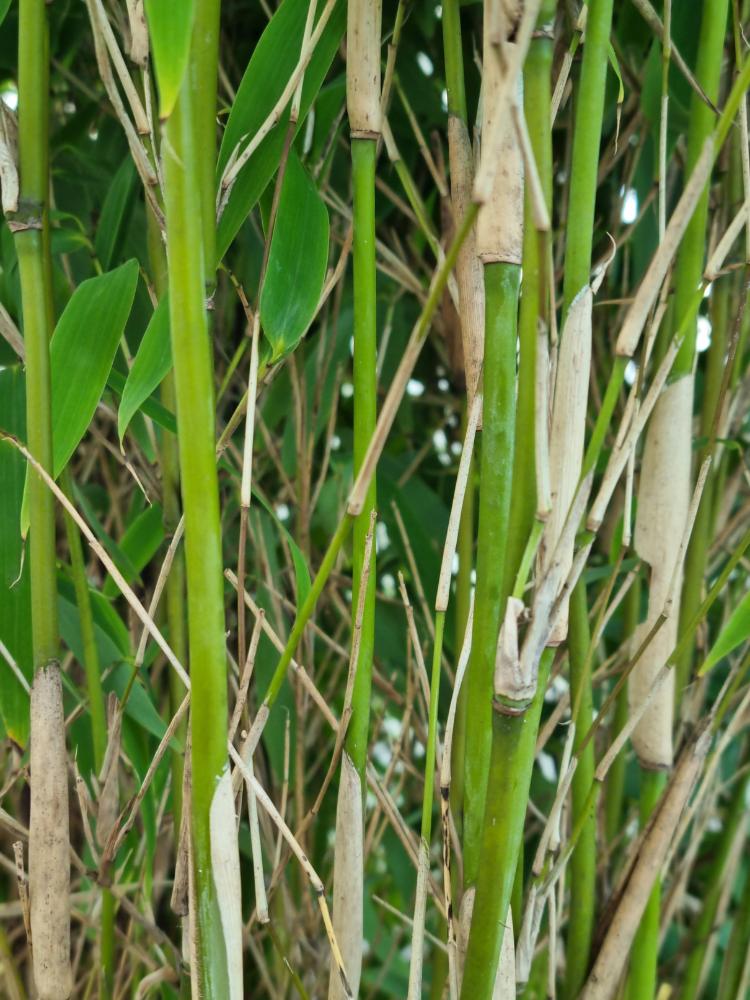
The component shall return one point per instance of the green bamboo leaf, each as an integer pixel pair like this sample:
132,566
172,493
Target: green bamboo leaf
150,365
15,599
297,259
170,26
734,633
82,351
272,63
151,407
116,214
140,543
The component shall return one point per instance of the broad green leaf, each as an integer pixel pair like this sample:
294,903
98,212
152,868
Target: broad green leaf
116,214
4,8
82,351
15,599
170,27
150,365
734,633
272,63
151,407
119,557
297,261
140,543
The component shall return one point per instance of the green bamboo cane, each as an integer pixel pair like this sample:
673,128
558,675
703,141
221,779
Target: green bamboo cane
49,874
496,464
195,422
365,404
512,761
579,237
175,585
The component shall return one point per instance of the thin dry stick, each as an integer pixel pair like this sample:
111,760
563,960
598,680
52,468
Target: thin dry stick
247,674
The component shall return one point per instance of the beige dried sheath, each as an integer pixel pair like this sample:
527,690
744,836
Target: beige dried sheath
49,844
500,222
347,890
363,67
469,275
663,500
567,433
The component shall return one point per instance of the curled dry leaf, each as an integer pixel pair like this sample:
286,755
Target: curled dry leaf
512,688
49,843
8,159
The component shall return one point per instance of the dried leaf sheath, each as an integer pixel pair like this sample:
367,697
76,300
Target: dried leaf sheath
49,851
469,275
363,67
348,880
663,500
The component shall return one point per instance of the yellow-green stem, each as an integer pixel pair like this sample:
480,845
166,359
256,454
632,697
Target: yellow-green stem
193,371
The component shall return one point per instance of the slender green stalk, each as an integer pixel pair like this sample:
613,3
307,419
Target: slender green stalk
586,138
98,723
583,859
33,86
715,884
454,60
365,413
536,95
195,421
690,257
203,70
496,466
513,752
175,586
579,238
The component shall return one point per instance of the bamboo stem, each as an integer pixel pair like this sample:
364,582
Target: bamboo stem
579,237
195,420
49,874
501,296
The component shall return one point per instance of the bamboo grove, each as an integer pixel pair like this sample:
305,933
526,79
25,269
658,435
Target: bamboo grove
374,503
